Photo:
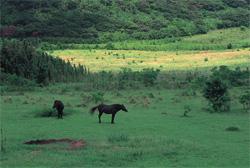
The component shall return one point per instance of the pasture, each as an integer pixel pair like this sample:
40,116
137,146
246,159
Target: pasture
155,131
152,133
114,60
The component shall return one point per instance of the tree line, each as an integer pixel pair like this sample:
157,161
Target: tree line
22,59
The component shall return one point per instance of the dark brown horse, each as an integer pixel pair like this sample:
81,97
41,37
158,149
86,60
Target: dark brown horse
59,107
108,109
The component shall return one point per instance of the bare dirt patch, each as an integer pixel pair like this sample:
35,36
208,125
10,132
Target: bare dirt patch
72,144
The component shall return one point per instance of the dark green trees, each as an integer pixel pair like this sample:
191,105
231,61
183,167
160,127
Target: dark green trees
22,59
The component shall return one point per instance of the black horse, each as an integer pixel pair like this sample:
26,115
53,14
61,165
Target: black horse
59,106
108,109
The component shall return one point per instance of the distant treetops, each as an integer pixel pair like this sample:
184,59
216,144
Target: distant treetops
107,20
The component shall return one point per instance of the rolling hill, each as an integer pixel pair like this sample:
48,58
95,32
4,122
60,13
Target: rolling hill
109,20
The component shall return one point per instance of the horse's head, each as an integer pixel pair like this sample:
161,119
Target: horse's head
55,104
123,108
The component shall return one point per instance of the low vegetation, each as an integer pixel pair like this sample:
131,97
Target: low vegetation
233,38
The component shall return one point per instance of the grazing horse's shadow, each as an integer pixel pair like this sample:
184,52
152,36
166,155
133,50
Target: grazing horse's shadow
108,109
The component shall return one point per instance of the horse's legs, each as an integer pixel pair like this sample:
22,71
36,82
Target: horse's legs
113,117
58,114
99,116
61,114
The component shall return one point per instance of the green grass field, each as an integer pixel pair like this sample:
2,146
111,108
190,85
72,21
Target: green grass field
151,134
154,132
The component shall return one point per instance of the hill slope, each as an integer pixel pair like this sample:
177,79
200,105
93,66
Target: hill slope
122,19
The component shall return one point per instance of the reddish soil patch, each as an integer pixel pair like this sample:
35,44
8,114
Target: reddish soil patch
73,144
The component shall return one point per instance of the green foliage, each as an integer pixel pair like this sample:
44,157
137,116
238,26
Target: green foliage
98,97
187,109
213,40
22,59
216,92
109,20
236,77
110,46
14,80
149,76
245,101
229,46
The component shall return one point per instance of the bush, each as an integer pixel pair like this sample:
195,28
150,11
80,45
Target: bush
235,77
215,91
98,97
110,46
149,76
229,46
245,101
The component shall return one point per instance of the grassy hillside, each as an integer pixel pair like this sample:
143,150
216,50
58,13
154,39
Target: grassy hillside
213,40
105,20
233,38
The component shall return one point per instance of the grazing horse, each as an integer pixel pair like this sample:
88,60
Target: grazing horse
59,106
108,109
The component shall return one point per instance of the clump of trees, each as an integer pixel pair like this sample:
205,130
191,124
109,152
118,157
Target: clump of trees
216,92
21,58
215,89
232,77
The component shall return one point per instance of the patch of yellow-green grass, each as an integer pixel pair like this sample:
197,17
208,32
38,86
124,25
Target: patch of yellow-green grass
114,60
218,36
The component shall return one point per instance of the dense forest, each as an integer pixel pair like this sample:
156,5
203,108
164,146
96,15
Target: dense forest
105,20
20,61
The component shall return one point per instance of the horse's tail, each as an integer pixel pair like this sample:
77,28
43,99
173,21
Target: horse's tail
92,110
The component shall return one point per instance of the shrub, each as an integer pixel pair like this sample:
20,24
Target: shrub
229,46
110,46
149,76
187,109
215,91
235,77
243,28
98,97
245,101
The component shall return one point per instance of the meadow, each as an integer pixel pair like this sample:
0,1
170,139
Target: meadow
114,60
154,132
219,47
151,134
